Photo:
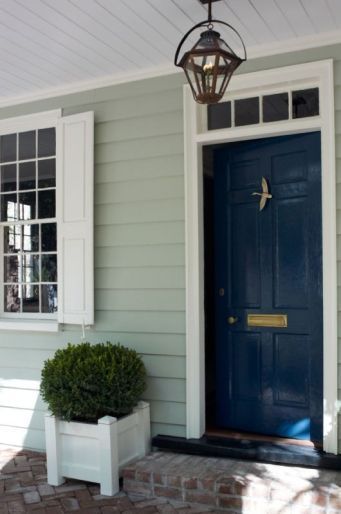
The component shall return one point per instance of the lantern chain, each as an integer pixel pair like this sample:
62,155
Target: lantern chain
210,12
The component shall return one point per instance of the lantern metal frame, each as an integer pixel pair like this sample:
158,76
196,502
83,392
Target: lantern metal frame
212,39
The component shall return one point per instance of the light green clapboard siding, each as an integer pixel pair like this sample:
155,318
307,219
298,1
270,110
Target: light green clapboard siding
152,255
142,341
136,128
162,233
155,300
141,190
151,168
22,418
145,322
139,257
139,246
145,148
165,277
22,437
170,208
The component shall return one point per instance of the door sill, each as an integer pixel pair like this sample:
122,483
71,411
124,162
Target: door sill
218,433
259,451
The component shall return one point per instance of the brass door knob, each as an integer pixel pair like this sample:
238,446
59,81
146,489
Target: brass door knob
232,320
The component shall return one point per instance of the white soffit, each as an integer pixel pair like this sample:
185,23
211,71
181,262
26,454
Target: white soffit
50,47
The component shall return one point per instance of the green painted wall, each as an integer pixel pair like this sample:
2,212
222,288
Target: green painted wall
139,246
139,255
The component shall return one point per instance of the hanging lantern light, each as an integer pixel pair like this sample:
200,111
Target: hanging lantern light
209,65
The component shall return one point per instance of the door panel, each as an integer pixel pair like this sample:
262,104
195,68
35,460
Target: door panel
245,279
290,167
246,357
269,262
290,267
244,174
291,370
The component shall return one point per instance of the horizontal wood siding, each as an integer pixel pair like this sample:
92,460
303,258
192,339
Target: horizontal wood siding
139,257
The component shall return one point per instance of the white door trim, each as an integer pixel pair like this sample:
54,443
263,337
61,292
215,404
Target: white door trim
314,74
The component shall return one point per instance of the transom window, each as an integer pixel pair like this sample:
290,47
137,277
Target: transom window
28,222
267,108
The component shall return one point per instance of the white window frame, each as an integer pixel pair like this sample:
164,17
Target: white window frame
316,74
34,221
28,321
74,214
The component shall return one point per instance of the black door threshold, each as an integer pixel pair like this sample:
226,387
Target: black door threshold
262,451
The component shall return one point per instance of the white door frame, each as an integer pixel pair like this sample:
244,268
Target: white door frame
316,74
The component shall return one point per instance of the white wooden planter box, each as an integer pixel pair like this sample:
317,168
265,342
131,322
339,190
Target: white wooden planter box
96,452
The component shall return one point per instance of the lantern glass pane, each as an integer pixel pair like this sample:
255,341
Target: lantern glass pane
208,73
219,84
225,73
192,80
198,60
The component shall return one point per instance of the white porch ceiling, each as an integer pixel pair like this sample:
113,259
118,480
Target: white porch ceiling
51,45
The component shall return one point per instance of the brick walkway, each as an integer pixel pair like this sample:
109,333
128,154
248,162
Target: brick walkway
23,488
239,487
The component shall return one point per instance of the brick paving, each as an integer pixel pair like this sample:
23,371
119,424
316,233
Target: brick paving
166,483
238,487
23,488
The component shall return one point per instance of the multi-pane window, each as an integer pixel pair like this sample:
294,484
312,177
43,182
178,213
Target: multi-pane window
266,108
28,221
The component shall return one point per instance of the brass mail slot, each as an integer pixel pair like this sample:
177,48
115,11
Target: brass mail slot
267,320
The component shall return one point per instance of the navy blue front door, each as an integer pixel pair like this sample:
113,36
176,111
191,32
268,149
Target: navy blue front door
269,261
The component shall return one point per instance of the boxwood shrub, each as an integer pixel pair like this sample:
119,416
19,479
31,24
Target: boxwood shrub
86,381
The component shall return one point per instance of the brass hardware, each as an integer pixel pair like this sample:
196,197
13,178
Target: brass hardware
267,320
231,320
265,195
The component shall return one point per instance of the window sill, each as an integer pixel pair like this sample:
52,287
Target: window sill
29,325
